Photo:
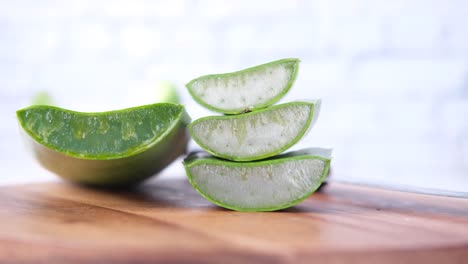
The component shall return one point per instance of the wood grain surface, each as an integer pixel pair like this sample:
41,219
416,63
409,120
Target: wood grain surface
167,222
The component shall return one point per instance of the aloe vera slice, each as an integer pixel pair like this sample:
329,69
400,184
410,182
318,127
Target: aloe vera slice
245,90
112,148
255,135
266,185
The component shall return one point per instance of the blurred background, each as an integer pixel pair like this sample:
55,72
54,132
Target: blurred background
393,75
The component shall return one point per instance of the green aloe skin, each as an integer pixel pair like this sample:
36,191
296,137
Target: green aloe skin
246,90
267,185
115,148
255,135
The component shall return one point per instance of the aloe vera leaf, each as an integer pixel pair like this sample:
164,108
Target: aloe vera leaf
255,135
42,98
267,185
113,148
246,90
167,92
161,92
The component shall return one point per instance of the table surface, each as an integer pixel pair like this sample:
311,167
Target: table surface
166,220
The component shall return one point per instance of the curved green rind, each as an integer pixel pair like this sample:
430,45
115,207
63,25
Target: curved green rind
110,169
315,105
311,153
273,100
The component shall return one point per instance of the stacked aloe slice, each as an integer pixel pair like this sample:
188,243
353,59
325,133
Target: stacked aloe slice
244,171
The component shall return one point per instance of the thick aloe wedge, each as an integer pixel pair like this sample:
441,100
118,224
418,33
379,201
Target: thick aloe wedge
245,90
255,135
112,148
266,185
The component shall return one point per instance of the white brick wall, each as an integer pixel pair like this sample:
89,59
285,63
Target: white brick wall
393,75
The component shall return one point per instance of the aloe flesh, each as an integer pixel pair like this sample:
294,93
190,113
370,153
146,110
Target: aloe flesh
255,135
266,185
246,90
112,148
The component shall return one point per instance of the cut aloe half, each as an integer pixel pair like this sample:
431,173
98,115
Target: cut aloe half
245,90
112,148
255,135
266,185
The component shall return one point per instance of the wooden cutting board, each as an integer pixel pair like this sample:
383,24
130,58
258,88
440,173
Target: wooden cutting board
166,221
